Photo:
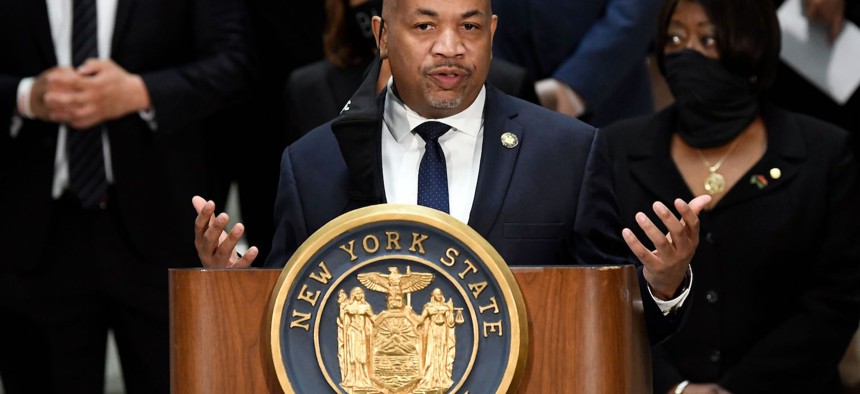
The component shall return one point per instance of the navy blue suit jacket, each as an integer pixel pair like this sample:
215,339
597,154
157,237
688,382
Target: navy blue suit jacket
598,47
547,201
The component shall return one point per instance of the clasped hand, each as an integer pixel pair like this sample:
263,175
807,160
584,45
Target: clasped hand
97,91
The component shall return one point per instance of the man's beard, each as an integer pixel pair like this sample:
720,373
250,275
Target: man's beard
440,103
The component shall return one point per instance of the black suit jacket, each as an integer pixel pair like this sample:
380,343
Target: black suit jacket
776,275
549,200
191,56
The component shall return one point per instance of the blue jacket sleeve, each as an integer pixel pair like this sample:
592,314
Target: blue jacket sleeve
611,48
290,226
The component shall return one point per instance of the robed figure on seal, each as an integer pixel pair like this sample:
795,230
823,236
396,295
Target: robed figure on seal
355,328
436,326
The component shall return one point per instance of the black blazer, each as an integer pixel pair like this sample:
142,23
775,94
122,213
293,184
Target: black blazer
192,57
776,288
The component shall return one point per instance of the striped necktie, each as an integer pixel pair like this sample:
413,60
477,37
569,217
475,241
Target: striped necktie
87,179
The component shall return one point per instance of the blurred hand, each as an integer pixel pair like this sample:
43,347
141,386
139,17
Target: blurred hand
215,247
104,91
57,80
665,267
830,13
558,96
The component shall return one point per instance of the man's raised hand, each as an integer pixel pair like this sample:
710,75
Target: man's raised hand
215,247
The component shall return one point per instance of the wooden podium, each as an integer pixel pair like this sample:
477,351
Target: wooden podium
586,331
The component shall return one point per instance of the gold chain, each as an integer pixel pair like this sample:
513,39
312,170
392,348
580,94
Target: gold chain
715,183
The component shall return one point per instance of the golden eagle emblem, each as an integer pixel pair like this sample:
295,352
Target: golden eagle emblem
395,283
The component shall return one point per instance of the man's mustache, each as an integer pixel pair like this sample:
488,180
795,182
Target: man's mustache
448,65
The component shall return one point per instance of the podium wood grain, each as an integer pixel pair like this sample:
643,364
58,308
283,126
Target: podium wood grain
216,327
586,331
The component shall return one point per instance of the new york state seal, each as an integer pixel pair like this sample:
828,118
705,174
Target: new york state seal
395,299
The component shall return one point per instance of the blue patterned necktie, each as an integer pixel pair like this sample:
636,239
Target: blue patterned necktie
432,175
87,179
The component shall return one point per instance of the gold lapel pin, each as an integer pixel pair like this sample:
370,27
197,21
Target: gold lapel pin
510,140
775,173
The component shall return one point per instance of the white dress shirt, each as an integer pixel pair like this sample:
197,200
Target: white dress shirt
402,150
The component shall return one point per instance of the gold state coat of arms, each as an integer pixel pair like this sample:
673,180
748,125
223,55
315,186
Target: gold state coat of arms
397,299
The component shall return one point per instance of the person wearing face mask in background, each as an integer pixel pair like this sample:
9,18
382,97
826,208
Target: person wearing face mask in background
350,48
777,276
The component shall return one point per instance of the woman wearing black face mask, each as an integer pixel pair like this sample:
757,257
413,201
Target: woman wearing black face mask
776,287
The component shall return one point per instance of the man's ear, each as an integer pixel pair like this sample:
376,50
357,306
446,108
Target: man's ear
380,33
494,21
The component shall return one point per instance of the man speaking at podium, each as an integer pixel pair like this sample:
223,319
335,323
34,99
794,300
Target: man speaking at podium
534,183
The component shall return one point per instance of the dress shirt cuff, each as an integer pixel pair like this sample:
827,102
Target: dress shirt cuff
679,389
24,88
576,100
672,305
148,116
559,96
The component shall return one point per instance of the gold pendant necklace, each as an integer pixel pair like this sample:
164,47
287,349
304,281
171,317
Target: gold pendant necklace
716,183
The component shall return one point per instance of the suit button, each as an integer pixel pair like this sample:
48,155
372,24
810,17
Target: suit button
709,236
712,297
714,356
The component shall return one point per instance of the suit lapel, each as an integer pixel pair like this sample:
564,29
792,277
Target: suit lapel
497,161
659,176
120,27
651,163
37,11
780,164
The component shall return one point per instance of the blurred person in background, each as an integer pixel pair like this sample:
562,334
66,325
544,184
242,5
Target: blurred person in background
101,104
589,56
795,93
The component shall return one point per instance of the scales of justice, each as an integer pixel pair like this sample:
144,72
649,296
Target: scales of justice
397,350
